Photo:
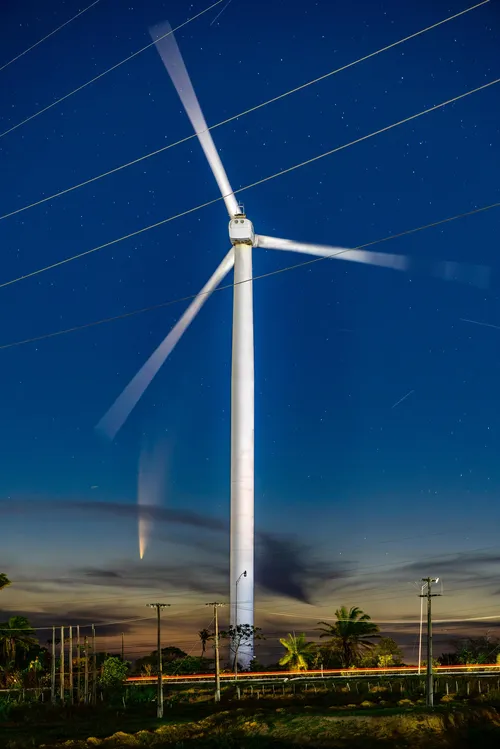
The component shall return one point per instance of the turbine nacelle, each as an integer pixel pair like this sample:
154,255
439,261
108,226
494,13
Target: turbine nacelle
241,230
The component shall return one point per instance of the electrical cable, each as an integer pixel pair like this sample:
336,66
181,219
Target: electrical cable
103,624
101,75
249,186
189,653
47,36
82,626
234,117
406,622
190,297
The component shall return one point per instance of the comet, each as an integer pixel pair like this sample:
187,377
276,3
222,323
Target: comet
150,491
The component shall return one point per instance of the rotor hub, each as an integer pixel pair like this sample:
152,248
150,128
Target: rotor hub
241,229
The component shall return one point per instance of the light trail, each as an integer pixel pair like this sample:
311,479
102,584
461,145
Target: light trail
341,673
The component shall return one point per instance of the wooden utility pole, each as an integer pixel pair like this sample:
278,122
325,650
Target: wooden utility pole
159,697
78,664
216,607
71,693
94,668
123,648
429,691
86,681
53,668
61,667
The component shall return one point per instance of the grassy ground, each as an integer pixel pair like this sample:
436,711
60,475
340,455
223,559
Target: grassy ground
252,727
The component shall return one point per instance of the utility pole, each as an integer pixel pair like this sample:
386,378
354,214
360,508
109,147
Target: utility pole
216,647
94,668
53,668
71,692
420,630
78,664
86,676
429,692
159,698
123,649
61,666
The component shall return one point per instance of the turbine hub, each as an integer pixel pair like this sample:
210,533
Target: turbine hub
241,230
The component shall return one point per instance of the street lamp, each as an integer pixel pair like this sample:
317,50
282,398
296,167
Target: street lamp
243,574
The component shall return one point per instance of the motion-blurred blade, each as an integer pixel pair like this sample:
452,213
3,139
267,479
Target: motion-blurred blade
114,419
172,59
397,262
468,273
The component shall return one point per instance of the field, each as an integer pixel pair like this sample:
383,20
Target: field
255,724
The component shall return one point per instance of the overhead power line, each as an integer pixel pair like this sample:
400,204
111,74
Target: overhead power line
408,622
190,297
47,36
105,72
236,116
249,186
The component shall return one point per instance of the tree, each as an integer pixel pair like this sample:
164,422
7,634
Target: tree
204,636
479,650
190,664
351,634
16,634
239,636
149,663
386,653
299,652
113,672
4,580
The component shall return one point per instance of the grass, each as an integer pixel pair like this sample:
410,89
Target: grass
252,727
376,719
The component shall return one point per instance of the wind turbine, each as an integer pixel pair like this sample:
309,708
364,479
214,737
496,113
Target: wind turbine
243,239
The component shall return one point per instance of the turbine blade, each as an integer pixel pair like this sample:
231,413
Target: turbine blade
114,419
397,262
172,59
467,273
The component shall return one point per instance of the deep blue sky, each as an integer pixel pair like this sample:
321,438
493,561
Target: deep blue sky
337,344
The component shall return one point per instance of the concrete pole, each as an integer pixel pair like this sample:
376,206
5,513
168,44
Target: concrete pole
70,665
53,668
61,666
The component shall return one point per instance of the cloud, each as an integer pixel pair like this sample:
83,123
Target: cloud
206,578
464,566
286,567
105,574
44,621
120,509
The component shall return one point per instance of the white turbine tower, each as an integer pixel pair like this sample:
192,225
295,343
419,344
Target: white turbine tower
243,240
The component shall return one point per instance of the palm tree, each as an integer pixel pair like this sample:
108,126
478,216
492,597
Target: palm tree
350,634
4,580
204,636
16,633
298,652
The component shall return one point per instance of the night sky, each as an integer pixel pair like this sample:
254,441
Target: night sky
356,497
